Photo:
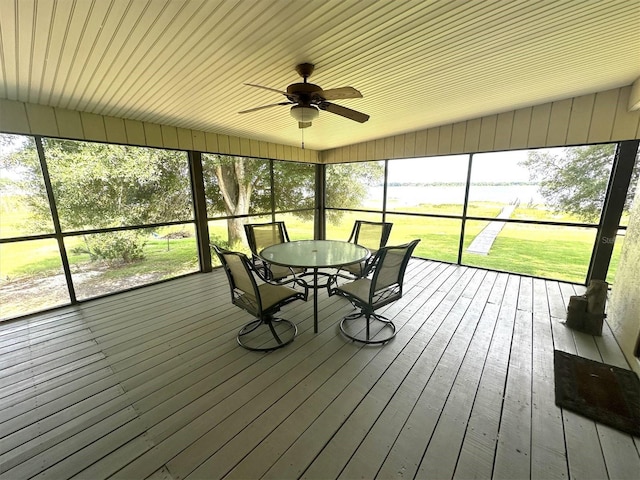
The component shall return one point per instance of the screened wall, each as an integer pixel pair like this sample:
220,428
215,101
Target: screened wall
79,220
84,219
533,212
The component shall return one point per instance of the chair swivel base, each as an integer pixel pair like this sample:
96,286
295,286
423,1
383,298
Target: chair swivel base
374,329
265,335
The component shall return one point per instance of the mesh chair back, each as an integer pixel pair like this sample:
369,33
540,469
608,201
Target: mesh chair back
242,278
244,289
371,235
389,267
263,235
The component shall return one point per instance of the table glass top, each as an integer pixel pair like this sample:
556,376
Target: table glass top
314,253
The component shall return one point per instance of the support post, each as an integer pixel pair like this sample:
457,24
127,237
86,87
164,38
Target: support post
200,210
320,217
621,172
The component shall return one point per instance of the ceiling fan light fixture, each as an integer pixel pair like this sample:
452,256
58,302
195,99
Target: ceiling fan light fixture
303,113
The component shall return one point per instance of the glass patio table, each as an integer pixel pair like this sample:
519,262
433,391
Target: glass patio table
315,254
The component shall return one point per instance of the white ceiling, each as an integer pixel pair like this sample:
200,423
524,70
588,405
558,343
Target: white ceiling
418,63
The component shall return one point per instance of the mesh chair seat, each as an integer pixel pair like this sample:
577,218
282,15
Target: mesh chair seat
358,270
371,235
381,286
265,332
277,272
275,294
360,289
270,295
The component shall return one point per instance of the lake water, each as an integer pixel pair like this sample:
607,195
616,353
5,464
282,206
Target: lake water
435,195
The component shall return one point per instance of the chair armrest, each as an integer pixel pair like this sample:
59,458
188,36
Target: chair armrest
260,271
296,280
370,264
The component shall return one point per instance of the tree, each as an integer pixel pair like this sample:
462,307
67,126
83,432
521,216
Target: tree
99,186
230,183
241,186
347,185
575,181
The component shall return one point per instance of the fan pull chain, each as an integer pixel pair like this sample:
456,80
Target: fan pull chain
302,131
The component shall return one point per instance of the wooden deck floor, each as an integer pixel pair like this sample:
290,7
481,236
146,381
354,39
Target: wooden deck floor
151,384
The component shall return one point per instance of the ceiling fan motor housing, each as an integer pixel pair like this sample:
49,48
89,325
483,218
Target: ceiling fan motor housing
303,93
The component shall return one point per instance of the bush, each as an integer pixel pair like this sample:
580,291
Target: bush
117,246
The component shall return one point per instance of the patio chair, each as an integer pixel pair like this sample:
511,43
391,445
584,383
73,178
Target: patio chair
371,235
380,285
263,235
266,332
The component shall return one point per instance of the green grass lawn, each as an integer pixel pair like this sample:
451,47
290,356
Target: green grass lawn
178,257
43,259
552,252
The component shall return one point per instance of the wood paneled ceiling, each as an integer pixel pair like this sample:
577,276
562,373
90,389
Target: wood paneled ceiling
418,64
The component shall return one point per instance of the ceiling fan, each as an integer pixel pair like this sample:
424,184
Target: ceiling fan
307,99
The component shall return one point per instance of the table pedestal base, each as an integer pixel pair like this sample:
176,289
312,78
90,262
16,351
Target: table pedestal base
315,286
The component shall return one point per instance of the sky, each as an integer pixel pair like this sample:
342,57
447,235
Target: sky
487,167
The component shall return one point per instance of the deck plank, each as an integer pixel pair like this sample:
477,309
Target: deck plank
345,396
223,460
548,457
444,446
340,450
408,447
476,456
294,427
513,452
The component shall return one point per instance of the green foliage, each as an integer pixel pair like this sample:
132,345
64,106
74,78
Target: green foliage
235,185
576,181
294,185
99,185
126,246
347,185
231,181
242,185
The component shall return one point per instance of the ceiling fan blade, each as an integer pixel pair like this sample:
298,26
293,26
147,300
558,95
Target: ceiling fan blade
304,124
340,93
264,106
266,88
344,112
